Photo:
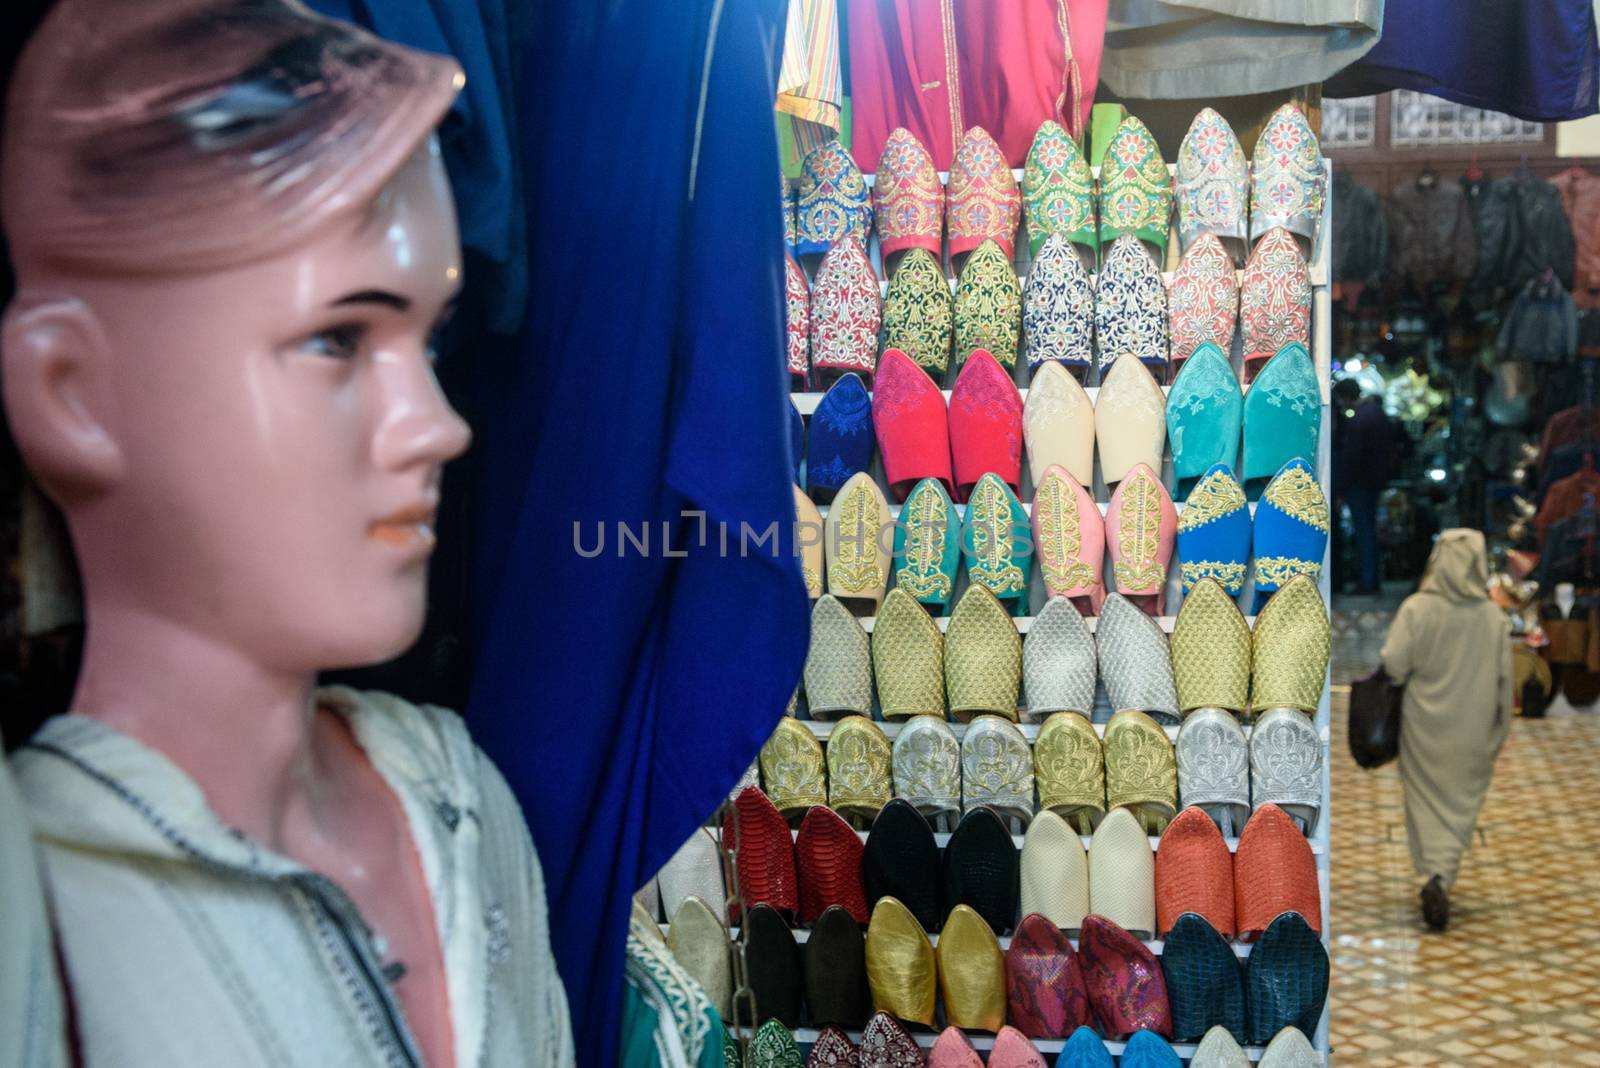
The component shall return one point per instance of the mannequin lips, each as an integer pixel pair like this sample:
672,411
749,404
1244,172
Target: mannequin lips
408,528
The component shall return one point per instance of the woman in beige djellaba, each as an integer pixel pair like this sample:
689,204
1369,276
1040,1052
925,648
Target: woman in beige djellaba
1450,646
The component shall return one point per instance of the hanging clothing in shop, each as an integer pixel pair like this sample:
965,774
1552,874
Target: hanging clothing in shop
1580,199
1569,552
479,137
1494,227
1564,498
1431,225
810,82
1451,648
1193,49
623,695
1567,460
1360,232
939,68
1581,422
1541,326
667,1020
183,941
1537,61
1543,235
32,1031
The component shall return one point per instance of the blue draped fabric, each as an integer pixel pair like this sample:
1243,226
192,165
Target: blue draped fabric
622,695
1537,60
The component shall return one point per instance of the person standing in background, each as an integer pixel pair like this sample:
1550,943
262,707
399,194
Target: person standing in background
1451,649
1365,455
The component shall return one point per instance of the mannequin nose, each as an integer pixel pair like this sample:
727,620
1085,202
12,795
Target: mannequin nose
420,427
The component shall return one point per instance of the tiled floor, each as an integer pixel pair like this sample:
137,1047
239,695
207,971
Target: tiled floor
1516,979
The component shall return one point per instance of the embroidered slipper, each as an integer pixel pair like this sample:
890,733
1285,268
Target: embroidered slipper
1057,194
1130,422
833,201
695,870
953,1049
1214,532
997,768
908,414
1214,768
1291,529
907,199
1290,1049
1070,541
995,543
1282,417
797,322
832,1049
1058,425
1205,414
1135,188
919,313
927,766
699,943
1287,179
885,1043
1146,1049
1274,300
1013,1050
1213,182
1085,1049
1203,302
1141,771
1286,766
1289,649
927,546
858,768
1219,1049
984,203
1130,308
809,530
859,537
840,441
846,313
988,307
1070,767
985,425
1143,525
1058,309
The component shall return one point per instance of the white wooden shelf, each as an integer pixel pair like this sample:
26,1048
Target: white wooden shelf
802,935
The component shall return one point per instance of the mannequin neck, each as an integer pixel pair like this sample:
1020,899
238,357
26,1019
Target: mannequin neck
240,729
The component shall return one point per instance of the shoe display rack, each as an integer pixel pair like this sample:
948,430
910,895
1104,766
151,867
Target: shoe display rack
1321,343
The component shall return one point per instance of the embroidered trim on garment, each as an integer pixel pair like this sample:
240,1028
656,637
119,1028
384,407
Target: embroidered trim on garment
679,1001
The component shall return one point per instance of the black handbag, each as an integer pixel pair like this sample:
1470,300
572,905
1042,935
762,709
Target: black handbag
1375,719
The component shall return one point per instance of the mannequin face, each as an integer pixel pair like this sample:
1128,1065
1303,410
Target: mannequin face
276,436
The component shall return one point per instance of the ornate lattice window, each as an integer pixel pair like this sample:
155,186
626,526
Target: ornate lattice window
1417,120
1351,123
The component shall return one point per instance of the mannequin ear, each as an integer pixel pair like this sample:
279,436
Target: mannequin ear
54,360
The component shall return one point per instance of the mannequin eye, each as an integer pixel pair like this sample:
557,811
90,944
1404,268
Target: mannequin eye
342,342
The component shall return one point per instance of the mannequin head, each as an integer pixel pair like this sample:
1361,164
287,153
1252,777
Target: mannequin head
233,238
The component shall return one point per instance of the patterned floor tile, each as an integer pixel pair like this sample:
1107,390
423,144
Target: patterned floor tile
1516,979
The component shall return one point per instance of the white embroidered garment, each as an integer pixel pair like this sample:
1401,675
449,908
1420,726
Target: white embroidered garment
31,1033
186,943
